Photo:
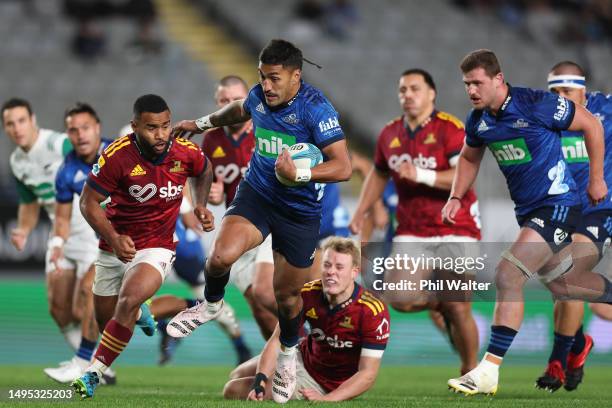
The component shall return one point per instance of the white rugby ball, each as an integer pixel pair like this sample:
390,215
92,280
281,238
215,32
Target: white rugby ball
305,156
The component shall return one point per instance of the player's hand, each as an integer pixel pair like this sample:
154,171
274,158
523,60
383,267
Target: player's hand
407,170
190,221
205,216
284,166
597,191
312,395
19,238
124,248
185,128
258,389
215,196
449,212
356,224
255,396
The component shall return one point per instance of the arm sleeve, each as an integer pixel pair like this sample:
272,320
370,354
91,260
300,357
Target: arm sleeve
471,138
324,125
380,161
104,175
247,105
63,194
552,111
376,327
26,196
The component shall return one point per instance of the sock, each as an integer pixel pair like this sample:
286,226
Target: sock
500,340
561,349
607,295
215,287
114,339
289,329
579,342
86,349
191,302
72,334
161,325
240,345
98,367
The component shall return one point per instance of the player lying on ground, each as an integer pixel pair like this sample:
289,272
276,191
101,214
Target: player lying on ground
349,330
418,152
522,128
593,232
144,174
285,110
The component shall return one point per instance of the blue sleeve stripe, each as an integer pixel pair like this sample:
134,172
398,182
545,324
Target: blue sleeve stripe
97,187
570,117
329,141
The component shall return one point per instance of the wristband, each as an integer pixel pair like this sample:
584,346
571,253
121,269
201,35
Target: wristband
425,176
454,198
259,383
203,123
55,242
302,175
185,206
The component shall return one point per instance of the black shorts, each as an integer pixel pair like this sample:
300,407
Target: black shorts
293,237
597,226
555,224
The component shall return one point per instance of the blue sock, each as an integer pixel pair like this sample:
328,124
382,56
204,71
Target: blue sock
161,325
191,302
579,342
561,349
239,343
500,340
86,349
215,287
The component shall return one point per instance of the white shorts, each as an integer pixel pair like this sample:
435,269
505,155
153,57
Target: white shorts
452,246
243,270
80,252
304,380
110,270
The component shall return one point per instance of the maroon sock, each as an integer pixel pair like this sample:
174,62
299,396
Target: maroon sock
114,339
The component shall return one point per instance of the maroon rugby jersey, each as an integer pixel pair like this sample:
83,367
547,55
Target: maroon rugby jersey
434,145
341,335
229,157
145,195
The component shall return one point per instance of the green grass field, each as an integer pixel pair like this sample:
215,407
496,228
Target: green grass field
141,386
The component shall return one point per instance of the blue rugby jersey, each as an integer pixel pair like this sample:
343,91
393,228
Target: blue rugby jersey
307,118
524,138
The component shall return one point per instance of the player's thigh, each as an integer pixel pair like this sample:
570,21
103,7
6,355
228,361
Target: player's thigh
145,275
602,310
295,240
104,309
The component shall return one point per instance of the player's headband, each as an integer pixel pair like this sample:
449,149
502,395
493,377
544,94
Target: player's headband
566,81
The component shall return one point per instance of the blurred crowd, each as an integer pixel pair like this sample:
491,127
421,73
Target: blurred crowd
552,21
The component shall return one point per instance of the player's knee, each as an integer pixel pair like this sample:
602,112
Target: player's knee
221,260
262,296
457,310
508,277
233,389
128,304
286,298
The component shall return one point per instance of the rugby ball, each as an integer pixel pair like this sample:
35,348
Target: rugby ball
305,156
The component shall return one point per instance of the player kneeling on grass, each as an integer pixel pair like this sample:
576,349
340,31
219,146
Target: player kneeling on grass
349,330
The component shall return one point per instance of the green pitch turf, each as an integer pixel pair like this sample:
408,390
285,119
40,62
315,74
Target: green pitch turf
396,387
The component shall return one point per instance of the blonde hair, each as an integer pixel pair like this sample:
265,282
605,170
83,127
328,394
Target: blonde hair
344,246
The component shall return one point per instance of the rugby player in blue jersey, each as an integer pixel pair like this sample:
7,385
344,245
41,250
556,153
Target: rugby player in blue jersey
522,128
285,110
593,233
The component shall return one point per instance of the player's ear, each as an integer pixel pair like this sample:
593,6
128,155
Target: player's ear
134,125
296,75
499,78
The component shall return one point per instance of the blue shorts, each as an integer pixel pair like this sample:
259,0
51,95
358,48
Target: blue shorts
555,224
597,226
293,237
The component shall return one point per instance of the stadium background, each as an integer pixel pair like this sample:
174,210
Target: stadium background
54,59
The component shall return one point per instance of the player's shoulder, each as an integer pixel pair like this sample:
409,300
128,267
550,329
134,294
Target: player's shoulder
527,97
473,117
118,148
214,135
371,304
313,99
391,128
185,145
599,102
313,286
450,119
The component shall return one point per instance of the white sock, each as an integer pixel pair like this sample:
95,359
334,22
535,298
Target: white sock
139,315
213,307
72,334
98,367
489,365
287,351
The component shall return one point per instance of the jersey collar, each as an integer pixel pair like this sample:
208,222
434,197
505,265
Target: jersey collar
344,304
504,106
421,125
159,159
289,102
243,135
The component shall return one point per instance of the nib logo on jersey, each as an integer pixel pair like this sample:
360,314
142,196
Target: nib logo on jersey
511,152
271,143
335,342
574,150
142,194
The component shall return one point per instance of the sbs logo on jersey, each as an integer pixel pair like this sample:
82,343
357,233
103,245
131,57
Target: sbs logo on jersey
511,152
335,342
424,162
142,194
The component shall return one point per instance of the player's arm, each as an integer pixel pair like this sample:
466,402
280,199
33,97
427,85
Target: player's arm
122,245
371,192
200,189
230,114
265,366
28,213
593,132
61,231
356,385
465,176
